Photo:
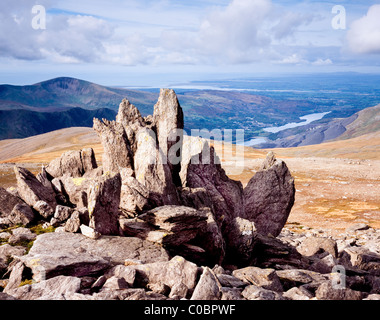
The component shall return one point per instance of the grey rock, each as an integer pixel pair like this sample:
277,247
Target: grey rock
61,214
169,123
43,208
31,190
181,224
208,287
115,283
74,254
7,202
231,294
7,251
326,291
122,271
179,289
152,169
73,223
21,214
269,196
177,270
231,281
373,297
265,278
298,294
15,277
4,296
315,245
89,232
253,292
74,189
53,288
129,116
20,235
103,204
117,149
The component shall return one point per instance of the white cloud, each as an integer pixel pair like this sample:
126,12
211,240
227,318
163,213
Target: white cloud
322,62
364,33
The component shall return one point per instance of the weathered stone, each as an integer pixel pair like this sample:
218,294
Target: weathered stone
73,223
363,259
75,255
15,277
43,208
269,196
21,214
20,235
134,197
115,283
4,296
253,292
89,232
356,227
152,170
88,160
168,120
31,190
122,271
74,189
117,149
8,252
61,214
170,273
103,204
129,116
326,291
265,278
298,294
53,288
231,294
179,290
68,163
314,245
208,287
180,223
8,202
227,280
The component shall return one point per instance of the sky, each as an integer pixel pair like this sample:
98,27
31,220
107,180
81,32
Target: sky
159,42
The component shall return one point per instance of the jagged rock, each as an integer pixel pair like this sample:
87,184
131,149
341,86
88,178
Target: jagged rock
326,291
117,149
269,196
121,271
7,251
8,202
115,283
181,224
204,171
314,245
21,214
129,116
48,289
208,287
134,196
265,278
168,120
363,259
231,294
73,254
227,280
103,204
31,190
45,178
72,163
152,170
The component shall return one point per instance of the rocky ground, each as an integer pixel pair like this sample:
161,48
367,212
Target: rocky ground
140,228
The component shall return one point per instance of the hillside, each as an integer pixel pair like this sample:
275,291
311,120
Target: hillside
25,123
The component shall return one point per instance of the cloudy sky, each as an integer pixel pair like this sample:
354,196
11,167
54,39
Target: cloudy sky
154,42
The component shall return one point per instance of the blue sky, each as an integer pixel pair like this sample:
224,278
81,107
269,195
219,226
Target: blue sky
150,42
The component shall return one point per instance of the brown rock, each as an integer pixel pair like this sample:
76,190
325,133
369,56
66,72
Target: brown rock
315,245
326,291
265,278
208,287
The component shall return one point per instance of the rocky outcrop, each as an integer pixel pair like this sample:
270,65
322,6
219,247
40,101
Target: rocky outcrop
269,197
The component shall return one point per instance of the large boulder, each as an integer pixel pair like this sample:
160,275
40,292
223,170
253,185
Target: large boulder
31,190
74,254
103,204
13,208
269,197
117,149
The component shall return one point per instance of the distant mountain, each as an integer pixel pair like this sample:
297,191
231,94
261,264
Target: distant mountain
25,123
64,93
